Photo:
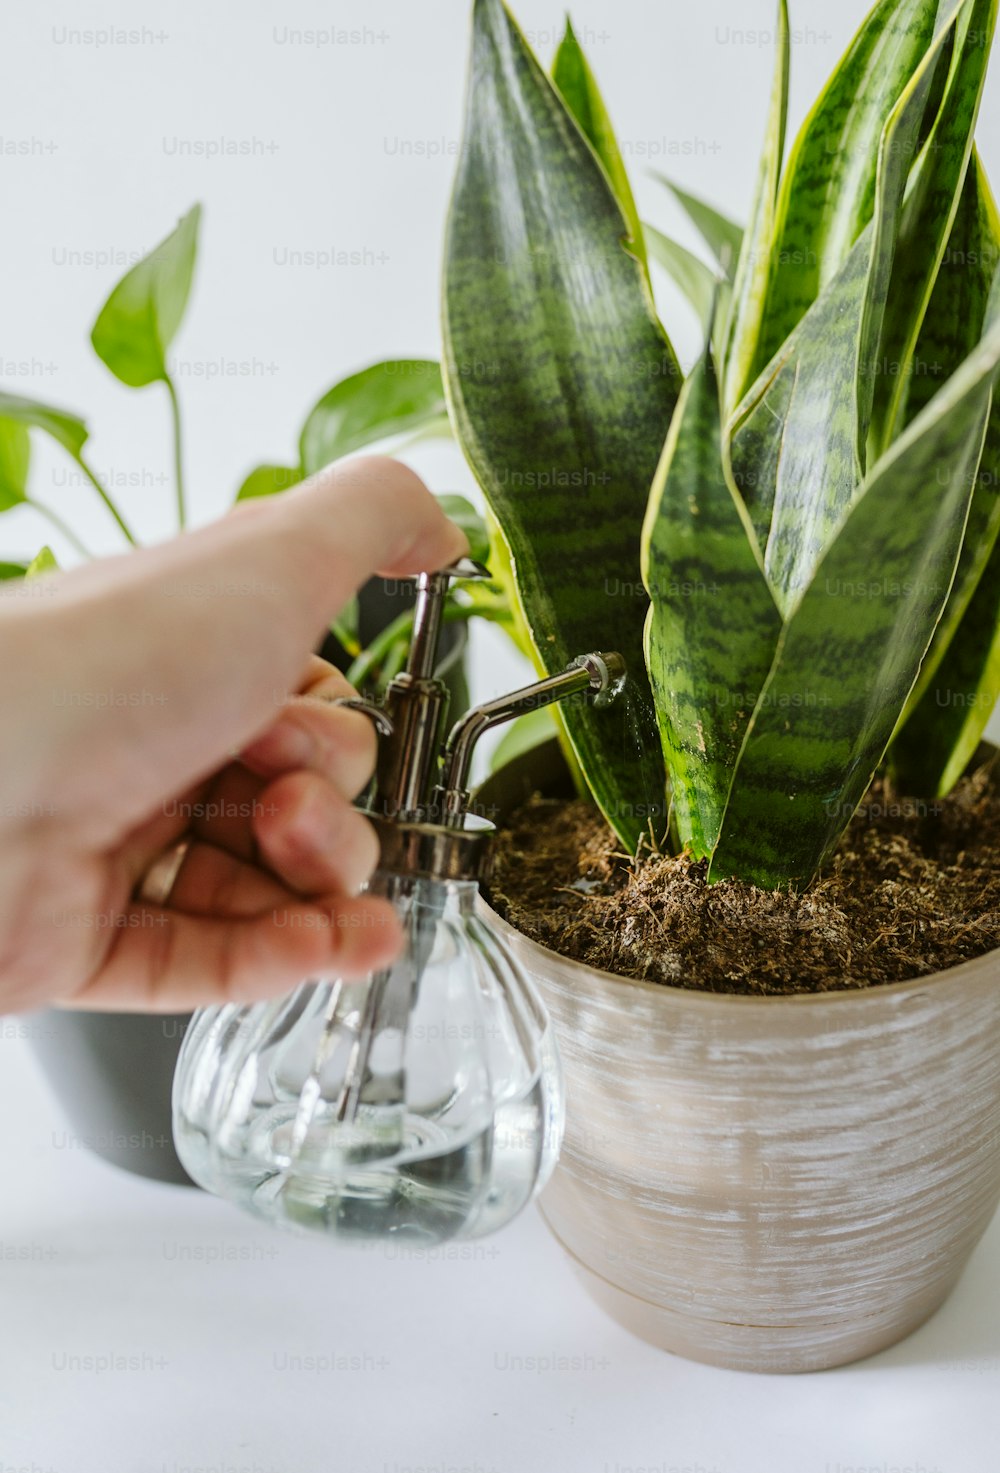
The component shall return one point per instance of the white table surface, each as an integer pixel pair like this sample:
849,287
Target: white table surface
152,1329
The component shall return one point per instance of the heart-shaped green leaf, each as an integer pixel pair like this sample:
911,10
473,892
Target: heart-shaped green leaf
267,479
139,320
562,385
44,561
461,511
15,460
395,397
66,429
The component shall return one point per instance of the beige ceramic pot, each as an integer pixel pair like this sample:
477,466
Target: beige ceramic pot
769,1184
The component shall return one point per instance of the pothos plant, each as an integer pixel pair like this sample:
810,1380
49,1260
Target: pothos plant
133,335
794,545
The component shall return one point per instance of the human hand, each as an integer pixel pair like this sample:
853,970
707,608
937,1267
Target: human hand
170,693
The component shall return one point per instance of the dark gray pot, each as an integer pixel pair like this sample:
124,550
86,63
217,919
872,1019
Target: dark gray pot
112,1072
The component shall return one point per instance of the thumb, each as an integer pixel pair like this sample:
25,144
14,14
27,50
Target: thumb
161,663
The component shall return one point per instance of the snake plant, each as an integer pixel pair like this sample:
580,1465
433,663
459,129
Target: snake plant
794,544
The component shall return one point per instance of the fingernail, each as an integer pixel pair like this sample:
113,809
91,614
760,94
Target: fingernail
284,745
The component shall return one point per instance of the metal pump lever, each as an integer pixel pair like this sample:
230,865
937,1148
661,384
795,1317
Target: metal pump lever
411,720
601,675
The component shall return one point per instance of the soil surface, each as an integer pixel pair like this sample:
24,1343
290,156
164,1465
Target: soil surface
913,888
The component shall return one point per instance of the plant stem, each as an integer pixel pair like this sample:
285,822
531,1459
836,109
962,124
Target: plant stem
60,525
105,498
175,410
370,658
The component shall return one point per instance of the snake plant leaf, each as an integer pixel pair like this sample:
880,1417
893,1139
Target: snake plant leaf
827,194
929,211
960,678
697,281
502,577
15,461
68,430
744,317
965,303
561,384
940,738
851,649
395,397
712,625
822,379
139,320
723,236
702,286
575,80
267,480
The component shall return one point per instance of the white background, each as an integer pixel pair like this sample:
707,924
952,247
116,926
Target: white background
350,148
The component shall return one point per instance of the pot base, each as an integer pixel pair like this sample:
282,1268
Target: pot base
763,1349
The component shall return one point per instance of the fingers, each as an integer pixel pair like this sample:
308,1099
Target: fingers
181,652
312,732
212,881
384,517
312,837
165,962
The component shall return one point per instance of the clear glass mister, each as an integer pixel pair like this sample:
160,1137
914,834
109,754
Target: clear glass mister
424,1103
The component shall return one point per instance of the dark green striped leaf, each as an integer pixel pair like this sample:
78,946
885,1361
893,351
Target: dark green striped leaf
828,191
939,740
712,625
852,647
960,678
806,419
572,75
744,318
966,301
562,385
723,236
929,212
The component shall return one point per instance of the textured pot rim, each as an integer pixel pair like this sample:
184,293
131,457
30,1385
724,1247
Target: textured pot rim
972,970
